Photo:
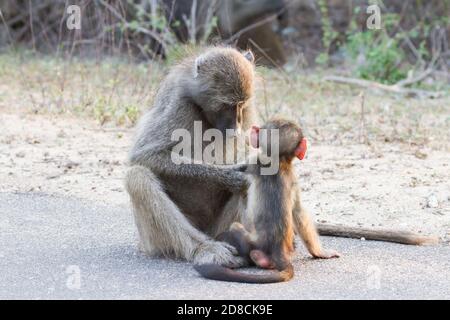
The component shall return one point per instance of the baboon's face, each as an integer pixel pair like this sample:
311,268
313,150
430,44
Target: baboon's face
225,85
228,116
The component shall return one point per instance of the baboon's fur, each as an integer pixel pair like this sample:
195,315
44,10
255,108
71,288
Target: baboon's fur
179,209
268,236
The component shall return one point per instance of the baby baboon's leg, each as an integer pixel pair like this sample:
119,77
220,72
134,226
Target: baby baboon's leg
241,239
162,227
305,227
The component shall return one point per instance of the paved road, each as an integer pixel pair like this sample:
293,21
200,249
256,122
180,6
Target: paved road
46,240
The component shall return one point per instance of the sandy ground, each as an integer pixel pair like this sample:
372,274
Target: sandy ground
388,186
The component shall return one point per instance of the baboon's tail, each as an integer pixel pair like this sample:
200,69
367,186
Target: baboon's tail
221,273
399,236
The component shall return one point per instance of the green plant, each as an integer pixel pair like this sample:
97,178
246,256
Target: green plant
376,54
130,115
378,57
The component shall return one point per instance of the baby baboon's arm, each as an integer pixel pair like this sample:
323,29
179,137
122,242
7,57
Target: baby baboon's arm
305,227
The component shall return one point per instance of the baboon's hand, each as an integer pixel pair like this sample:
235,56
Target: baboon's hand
327,254
217,252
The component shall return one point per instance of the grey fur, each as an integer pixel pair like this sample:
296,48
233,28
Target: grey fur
179,209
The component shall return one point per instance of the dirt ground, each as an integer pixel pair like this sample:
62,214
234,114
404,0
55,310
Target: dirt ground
355,184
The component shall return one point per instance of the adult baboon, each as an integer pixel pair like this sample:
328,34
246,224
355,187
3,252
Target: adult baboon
179,209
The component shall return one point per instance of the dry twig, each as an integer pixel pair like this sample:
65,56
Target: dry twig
395,88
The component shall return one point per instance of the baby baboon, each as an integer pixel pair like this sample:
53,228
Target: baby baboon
268,238
180,208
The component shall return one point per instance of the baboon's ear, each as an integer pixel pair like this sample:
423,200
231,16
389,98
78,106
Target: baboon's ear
197,65
300,151
254,137
249,56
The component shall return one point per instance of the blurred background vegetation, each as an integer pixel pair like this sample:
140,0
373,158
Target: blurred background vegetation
413,34
110,68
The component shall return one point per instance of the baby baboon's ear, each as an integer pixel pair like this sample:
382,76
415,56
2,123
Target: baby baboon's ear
197,65
254,137
300,151
249,56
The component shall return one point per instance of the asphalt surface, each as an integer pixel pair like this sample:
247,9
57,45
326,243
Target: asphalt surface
61,248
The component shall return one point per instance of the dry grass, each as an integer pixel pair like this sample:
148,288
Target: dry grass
110,90
115,92
332,113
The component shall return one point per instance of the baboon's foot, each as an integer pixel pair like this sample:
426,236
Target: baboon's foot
327,254
261,259
217,252
149,250
237,226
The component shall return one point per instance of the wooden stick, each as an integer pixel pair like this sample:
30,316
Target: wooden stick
390,88
362,125
398,236
418,78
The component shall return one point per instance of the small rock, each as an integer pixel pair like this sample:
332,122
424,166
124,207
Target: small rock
20,154
413,183
363,239
420,155
61,134
32,140
71,164
432,201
